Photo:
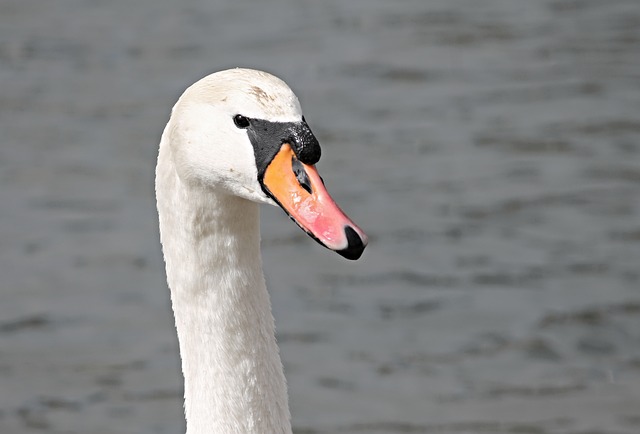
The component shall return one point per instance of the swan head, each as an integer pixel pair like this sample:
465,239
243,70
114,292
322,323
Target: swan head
241,132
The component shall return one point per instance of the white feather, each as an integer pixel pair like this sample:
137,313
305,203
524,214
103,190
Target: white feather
208,195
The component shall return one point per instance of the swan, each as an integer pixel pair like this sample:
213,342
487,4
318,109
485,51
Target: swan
236,139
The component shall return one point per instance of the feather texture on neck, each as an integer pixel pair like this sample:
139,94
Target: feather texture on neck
234,381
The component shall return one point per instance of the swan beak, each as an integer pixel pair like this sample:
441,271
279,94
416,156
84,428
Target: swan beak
299,190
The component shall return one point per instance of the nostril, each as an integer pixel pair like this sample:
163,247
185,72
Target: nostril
355,246
301,174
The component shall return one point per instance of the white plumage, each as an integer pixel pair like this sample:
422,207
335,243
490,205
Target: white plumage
208,195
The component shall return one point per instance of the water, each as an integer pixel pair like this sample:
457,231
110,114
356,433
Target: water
489,149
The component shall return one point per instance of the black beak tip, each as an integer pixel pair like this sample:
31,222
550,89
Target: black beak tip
355,246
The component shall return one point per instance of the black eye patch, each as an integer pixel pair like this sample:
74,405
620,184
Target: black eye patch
267,138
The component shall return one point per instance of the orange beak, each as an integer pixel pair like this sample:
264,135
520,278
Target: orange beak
299,190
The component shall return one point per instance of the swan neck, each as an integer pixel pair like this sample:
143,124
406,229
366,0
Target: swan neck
234,380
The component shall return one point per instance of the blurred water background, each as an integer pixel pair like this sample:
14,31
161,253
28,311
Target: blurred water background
490,149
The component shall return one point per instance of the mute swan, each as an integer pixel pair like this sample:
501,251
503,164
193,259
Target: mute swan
236,139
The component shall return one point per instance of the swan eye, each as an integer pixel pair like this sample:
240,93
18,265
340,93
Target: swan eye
241,121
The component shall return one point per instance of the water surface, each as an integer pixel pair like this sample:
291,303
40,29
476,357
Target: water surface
490,150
